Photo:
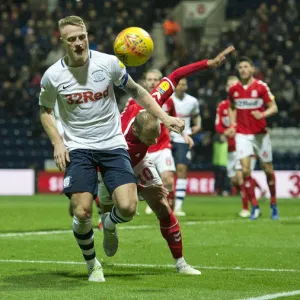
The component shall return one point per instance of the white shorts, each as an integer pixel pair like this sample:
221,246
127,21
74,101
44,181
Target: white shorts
251,144
163,160
234,164
145,172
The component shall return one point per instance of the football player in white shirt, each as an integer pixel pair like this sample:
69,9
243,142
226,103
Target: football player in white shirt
187,107
82,84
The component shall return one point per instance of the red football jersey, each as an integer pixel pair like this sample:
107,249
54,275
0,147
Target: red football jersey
137,150
222,122
246,100
163,140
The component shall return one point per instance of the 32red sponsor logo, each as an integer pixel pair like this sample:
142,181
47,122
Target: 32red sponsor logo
84,97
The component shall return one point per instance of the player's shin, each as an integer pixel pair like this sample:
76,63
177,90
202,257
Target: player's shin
249,190
272,186
84,236
170,230
181,186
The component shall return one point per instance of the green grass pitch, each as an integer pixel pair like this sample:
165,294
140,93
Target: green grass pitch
239,259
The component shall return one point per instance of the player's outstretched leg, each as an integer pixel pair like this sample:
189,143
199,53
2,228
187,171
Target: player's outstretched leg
170,230
84,234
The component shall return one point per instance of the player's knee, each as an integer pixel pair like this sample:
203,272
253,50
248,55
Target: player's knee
82,212
128,208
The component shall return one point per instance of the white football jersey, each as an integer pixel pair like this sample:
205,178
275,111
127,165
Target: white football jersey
186,109
86,101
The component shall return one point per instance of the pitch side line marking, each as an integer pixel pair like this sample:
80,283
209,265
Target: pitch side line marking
149,266
275,296
135,227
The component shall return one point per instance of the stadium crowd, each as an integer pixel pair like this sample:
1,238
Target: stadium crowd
270,36
29,43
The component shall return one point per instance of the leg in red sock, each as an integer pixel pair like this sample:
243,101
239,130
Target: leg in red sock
249,189
170,230
272,186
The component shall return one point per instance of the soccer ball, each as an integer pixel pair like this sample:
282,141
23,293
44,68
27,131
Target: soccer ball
133,46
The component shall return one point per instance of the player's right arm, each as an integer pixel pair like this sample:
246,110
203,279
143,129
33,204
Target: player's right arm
47,101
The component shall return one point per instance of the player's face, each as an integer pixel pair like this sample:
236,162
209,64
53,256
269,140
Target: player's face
75,40
245,69
152,79
181,87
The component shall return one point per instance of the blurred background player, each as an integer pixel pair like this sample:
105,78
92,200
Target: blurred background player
187,107
247,113
234,168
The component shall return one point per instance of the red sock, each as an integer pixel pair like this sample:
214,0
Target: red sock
170,230
171,199
249,189
256,185
244,197
272,187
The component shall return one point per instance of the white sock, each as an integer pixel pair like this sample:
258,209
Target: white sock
109,224
93,262
180,262
84,235
181,185
115,218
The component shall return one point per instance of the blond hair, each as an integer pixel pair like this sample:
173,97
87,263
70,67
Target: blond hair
155,71
70,20
146,121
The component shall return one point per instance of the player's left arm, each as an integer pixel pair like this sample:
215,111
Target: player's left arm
137,92
123,80
197,124
196,118
269,101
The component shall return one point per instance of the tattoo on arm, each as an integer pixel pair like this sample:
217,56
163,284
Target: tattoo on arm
135,90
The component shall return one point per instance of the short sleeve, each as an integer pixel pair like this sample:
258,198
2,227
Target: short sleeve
48,93
266,94
119,73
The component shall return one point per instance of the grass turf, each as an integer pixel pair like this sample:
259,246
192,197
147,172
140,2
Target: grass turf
238,258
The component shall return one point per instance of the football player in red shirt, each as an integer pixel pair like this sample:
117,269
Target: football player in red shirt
141,130
251,103
161,153
234,168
